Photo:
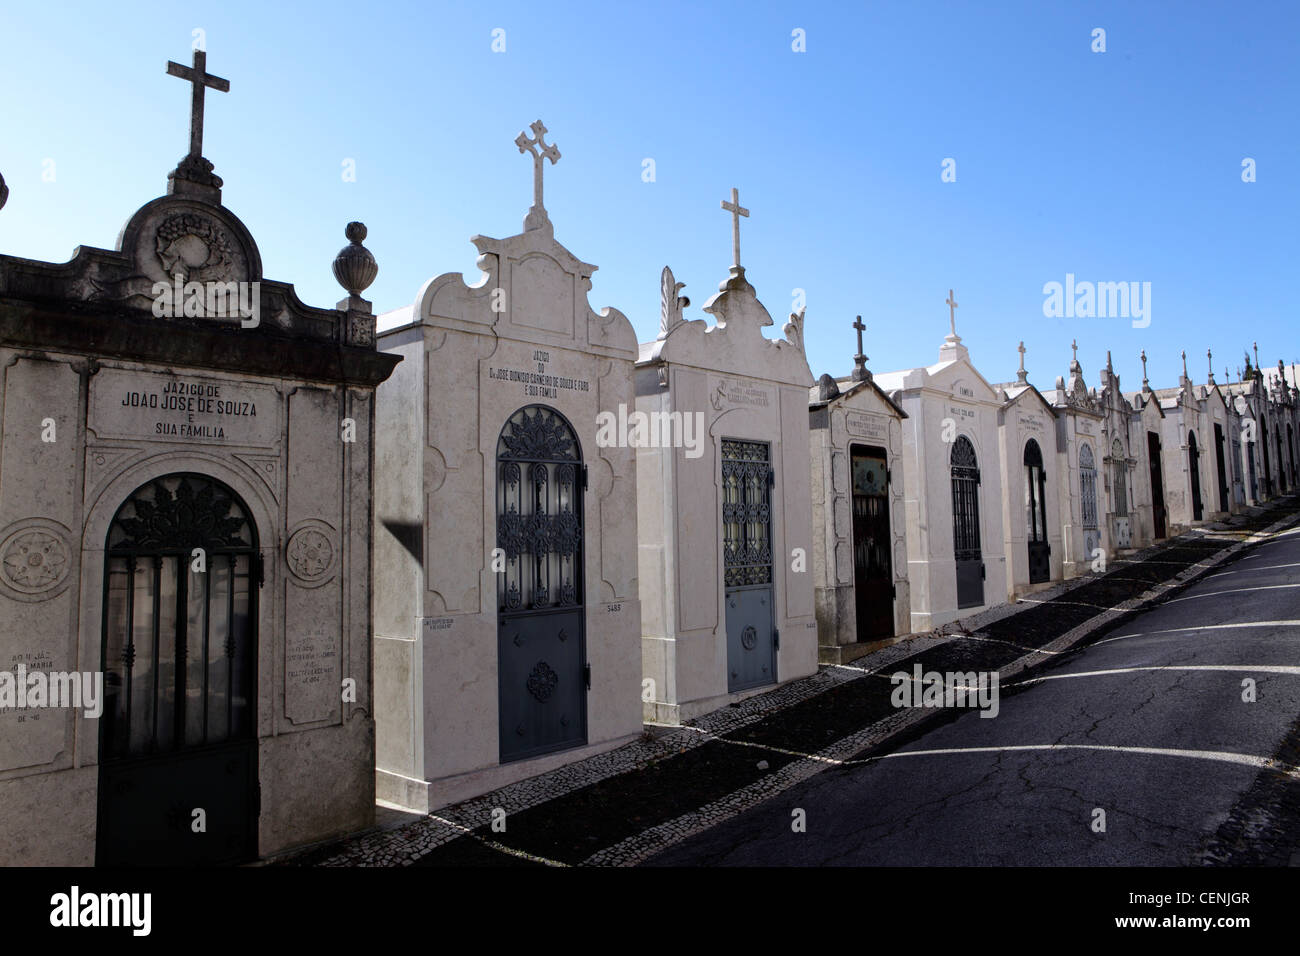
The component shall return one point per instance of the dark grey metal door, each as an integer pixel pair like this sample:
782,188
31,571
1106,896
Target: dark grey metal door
966,523
178,752
747,478
1040,566
541,631
1194,464
1222,469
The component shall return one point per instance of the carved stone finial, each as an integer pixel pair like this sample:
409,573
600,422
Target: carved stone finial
354,267
1184,355
1209,354
1146,386
826,388
1022,376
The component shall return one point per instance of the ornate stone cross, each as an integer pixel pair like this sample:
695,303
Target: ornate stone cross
540,150
1074,352
200,79
951,302
1209,354
1145,385
1020,375
737,210
859,360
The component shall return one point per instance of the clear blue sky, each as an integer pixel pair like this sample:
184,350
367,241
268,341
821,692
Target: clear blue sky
1115,167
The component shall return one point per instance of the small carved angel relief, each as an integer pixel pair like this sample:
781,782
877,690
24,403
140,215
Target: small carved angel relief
670,303
794,329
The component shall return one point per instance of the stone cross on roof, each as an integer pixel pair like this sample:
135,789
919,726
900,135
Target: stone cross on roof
200,79
1020,375
859,361
737,210
1146,386
951,303
1074,352
540,150
1209,354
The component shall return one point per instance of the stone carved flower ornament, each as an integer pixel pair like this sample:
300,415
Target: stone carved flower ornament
34,560
310,553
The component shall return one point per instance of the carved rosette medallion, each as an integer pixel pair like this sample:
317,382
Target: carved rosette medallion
310,553
542,682
34,560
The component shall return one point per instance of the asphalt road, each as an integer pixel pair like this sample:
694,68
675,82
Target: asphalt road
1160,700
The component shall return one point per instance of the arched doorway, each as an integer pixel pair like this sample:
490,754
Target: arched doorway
1088,498
1290,448
541,632
1268,466
966,523
1040,566
178,749
1119,494
1194,466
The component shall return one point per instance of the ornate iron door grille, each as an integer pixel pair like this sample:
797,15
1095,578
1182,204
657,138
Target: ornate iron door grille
1119,475
1158,529
966,523
1040,568
541,620
179,647
746,513
1087,487
747,563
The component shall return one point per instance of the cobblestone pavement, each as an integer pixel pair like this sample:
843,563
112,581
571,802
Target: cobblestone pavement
626,805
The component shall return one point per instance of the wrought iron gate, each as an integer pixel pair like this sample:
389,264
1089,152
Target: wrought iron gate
542,671
873,587
752,638
179,651
1040,565
966,523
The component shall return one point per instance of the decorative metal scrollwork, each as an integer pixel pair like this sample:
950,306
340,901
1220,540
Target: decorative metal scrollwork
542,682
746,513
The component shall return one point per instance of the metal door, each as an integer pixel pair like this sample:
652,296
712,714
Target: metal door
873,586
542,673
1088,498
966,523
1223,471
1119,492
1194,463
1157,487
1040,566
178,751
747,479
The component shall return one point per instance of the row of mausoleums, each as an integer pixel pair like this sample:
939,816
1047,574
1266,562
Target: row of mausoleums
306,565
